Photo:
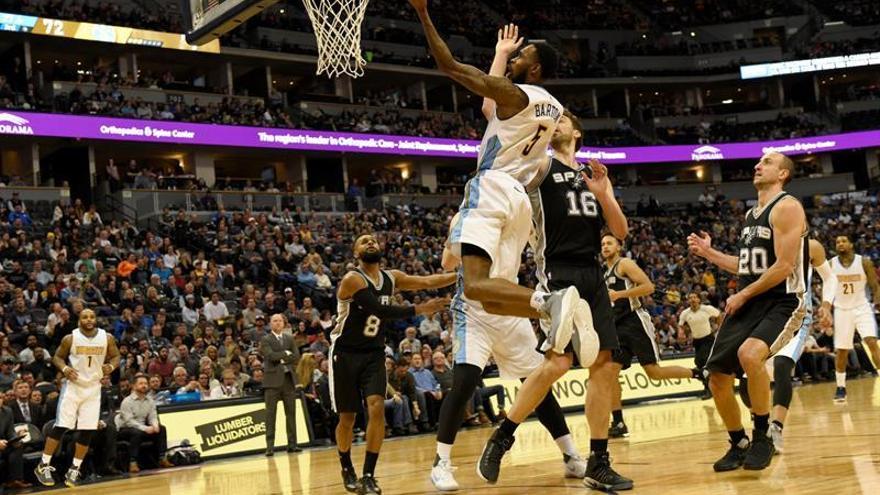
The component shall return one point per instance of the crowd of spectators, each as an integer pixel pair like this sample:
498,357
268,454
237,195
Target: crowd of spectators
672,15
127,14
854,12
721,131
824,48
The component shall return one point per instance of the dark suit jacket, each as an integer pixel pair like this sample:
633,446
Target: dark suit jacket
38,414
276,359
7,432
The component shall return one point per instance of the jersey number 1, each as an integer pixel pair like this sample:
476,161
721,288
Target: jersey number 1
529,147
371,329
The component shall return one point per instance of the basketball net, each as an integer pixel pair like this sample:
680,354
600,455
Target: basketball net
337,25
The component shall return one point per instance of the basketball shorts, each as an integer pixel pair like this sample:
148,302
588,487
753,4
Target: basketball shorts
849,321
478,335
79,407
774,320
702,347
795,346
635,331
590,283
354,376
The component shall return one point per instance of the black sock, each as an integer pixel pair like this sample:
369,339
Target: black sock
345,459
598,445
737,436
617,415
762,423
778,424
370,463
508,427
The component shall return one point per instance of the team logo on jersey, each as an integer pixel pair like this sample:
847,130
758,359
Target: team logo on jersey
88,350
707,153
384,300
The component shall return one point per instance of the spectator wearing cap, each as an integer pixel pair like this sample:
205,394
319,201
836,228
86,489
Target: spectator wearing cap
7,376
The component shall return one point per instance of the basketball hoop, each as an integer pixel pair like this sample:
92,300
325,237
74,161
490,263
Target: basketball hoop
337,25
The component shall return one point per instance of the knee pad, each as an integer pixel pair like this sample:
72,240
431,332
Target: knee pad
782,392
84,437
550,415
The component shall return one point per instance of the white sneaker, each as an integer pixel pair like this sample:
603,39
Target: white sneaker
442,478
576,467
776,435
559,309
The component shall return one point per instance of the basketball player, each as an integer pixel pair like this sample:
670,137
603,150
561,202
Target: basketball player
768,309
785,361
92,354
852,310
357,350
627,284
696,320
569,211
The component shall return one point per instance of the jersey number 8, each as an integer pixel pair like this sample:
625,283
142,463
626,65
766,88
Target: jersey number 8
371,329
752,261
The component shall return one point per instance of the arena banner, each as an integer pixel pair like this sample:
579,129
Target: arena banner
571,390
100,32
89,127
227,428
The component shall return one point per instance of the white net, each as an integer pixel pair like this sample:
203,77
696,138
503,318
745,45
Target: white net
337,25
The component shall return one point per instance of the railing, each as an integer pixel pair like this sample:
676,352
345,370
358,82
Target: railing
28,194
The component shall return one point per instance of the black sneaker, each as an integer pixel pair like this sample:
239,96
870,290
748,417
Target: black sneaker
350,480
600,475
618,430
489,465
368,485
734,457
840,394
760,453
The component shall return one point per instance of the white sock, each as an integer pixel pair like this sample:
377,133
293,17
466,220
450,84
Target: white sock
566,445
537,301
46,460
77,463
444,451
841,378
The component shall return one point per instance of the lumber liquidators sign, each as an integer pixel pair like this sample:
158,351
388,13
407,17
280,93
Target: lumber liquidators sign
157,131
217,429
571,390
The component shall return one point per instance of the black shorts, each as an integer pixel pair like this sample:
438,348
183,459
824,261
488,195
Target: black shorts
354,376
702,348
589,279
635,331
773,320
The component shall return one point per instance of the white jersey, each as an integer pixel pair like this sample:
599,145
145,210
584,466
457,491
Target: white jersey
851,283
87,357
518,145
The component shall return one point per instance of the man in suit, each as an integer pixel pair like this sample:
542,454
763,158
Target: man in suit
23,410
11,461
279,381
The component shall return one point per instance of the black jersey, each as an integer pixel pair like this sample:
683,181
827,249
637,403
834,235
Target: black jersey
567,218
357,330
617,282
757,253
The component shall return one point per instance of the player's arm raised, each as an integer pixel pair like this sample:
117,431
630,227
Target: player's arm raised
599,184
509,41
786,238
701,245
871,275
643,285
509,99
112,354
829,281
60,358
404,281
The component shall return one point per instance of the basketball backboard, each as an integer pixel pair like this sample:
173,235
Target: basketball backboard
206,20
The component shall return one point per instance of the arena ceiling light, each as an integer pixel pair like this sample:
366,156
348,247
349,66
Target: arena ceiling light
811,65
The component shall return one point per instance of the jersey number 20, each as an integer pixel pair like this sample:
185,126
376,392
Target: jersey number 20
371,328
752,261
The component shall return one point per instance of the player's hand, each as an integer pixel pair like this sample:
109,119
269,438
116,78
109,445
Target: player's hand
71,374
397,399
432,306
597,181
107,369
613,295
509,40
416,411
419,5
3,444
734,303
101,424
700,244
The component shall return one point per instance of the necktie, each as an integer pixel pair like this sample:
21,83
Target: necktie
26,412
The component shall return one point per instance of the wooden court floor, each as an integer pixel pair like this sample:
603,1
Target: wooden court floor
833,449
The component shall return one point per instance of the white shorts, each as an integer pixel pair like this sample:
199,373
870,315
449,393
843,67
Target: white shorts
79,407
509,339
495,216
848,321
